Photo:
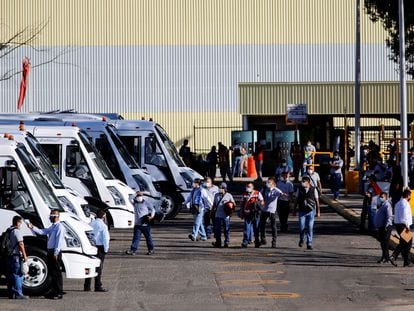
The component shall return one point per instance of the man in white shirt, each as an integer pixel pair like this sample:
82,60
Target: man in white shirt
101,236
403,221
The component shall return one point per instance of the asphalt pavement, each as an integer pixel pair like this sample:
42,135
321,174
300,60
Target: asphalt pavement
340,273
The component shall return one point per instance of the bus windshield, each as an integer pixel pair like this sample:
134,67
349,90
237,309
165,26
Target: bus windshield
122,149
172,151
44,161
38,180
96,156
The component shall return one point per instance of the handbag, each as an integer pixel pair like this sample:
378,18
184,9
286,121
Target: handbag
195,209
406,235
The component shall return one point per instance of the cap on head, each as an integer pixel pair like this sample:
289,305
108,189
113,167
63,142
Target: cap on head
197,181
139,194
223,185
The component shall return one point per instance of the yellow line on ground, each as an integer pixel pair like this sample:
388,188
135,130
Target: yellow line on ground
237,264
271,295
254,282
250,271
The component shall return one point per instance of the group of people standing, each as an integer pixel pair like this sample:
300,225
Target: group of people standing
212,208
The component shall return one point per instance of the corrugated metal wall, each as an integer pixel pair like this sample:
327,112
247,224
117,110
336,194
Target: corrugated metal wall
182,60
323,98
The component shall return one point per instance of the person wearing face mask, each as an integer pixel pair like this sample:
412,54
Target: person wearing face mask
56,239
308,151
270,195
101,238
315,181
222,201
198,201
252,201
383,223
14,261
283,167
306,197
286,186
212,190
144,213
403,220
336,164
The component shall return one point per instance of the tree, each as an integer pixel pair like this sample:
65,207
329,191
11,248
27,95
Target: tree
386,12
25,37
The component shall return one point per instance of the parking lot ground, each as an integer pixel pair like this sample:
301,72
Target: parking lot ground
340,273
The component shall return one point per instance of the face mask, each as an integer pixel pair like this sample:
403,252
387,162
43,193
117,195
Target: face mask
310,171
139,199
336,158
19,226
381,200
283,164
208,184
309,144
303,184
268,185
249,190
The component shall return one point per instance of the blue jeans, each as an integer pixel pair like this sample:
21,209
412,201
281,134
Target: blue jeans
14,276
146,231
220,223
336,184
235,170
198,226
248,229
306,220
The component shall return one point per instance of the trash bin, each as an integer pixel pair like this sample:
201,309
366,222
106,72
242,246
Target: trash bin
352,181
251,168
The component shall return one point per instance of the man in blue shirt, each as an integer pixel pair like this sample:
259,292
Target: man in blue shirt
56,239
270,195
144,213
383,223
101,236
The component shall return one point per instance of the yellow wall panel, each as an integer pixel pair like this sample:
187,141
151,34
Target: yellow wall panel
189,22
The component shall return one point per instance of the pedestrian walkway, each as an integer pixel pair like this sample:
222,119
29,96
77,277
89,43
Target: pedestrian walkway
350,207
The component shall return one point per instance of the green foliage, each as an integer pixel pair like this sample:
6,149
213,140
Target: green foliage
386,12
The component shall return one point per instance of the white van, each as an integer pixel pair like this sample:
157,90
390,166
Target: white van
80,167
69,199
153,150
24,191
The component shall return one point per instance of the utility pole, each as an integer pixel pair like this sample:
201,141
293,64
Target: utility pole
358,165
403,96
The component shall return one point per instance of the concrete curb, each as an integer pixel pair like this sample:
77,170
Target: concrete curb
352,216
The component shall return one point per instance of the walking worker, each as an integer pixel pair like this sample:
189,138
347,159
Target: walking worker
281,168
224,162
308,152
336,164
383,223
403,220
144,213
258,159
17,254
370,199
249,212
101,237
315,181
212,191
306,197
270,195
56,239
198,201
223,206
212,160
286,186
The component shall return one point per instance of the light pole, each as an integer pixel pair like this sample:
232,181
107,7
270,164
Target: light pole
403,96
358,165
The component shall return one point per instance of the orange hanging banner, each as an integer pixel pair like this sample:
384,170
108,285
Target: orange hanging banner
23,83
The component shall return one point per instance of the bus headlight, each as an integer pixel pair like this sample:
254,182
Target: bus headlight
71,238
116,195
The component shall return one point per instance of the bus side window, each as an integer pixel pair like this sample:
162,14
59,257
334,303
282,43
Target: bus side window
76,165
153,152
133,145
54,153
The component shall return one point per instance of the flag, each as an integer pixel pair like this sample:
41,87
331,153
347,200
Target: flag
23,83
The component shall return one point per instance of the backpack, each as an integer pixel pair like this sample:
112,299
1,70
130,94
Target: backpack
6,249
